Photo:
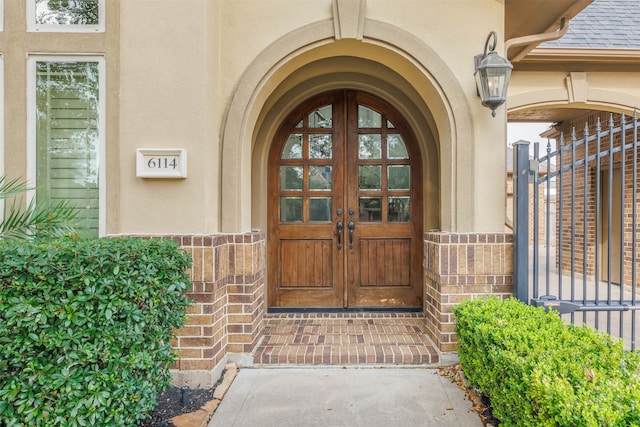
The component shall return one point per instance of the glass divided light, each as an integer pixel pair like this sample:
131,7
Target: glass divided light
384,172
306,168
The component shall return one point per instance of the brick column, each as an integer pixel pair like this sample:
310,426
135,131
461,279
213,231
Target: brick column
246,291
201,343
228,293
460,266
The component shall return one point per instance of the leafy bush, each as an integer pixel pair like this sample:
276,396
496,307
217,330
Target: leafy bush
21,220
537,371
85,326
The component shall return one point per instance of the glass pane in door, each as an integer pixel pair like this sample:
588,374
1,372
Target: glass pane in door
370,146
290,209
320,209
399,177
320,146
321,118
320,177
291,177
370,209
367,118
399,209
293,147
370,177
396,148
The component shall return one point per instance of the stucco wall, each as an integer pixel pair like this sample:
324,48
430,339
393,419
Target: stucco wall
170,98
202,75
192,70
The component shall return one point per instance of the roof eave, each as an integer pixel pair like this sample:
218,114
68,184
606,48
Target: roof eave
580,54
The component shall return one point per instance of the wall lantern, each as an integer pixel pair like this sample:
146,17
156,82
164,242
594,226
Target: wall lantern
492,75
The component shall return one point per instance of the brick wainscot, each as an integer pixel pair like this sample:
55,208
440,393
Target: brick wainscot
227,316
460,266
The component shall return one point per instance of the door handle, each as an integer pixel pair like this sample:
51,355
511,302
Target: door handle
340,227
352,228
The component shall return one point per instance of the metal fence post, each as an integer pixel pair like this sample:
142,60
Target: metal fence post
521,220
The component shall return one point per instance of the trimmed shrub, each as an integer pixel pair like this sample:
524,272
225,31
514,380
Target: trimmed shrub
538,371
85,326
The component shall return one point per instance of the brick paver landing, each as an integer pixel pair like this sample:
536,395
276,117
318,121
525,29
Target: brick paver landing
345,339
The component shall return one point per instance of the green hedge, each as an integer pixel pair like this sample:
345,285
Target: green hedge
538,371
85,326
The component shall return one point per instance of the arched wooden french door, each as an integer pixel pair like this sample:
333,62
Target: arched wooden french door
345,206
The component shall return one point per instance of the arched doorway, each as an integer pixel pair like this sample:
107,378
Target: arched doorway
345,206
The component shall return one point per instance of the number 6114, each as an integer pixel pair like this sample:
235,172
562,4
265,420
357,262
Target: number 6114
162,163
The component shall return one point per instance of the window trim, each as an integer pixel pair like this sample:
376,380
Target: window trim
75,28
32,59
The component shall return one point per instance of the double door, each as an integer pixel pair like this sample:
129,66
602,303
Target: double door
345,206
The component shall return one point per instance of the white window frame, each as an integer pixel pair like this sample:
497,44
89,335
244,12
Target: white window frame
102,112
1,15
59,28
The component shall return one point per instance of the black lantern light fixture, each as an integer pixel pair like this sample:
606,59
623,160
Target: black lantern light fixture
492,75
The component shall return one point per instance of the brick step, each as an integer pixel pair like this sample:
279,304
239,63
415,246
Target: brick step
345,339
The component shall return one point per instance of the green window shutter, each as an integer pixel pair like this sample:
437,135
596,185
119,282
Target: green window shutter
68,138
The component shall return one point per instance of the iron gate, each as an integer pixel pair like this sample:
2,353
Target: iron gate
577,242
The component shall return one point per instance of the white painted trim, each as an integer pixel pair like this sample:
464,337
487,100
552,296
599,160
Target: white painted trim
149,163
2,16
102,119
33,27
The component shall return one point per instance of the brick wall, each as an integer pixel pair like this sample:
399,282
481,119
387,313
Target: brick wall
460,266
573,198
227,288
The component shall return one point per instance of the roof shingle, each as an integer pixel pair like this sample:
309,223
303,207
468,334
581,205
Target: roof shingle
612,24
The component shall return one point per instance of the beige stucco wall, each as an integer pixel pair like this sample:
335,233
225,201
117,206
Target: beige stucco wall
170,98
204,75
467,200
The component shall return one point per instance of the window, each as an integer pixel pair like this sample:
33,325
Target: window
66,15
66,135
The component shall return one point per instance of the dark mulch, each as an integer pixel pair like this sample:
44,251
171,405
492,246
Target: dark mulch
481,405
170,405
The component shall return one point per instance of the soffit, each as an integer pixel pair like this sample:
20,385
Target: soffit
531,17
528,17
548,115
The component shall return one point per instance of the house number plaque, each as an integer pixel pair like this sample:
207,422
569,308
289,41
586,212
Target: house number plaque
161,163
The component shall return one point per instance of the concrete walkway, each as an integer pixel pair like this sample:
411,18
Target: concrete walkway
368,397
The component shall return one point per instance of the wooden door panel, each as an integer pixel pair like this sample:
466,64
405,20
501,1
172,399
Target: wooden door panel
388,273
312,262
384,262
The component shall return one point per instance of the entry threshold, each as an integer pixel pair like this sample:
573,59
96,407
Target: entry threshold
284,310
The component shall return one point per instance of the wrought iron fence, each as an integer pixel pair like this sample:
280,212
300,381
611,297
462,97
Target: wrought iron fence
586,266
